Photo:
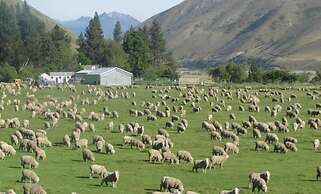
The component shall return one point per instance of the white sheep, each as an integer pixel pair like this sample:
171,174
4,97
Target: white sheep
88,155
33,189
29,176
110,149
28,161
99,170
155,155
185,156
168,183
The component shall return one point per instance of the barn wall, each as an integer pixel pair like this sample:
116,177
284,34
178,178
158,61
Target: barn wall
91,79
115,78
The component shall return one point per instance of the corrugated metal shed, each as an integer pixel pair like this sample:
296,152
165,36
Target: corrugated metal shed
111,76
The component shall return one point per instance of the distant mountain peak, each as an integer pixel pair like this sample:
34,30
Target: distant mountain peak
108,21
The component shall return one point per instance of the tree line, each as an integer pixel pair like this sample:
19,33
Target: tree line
241,73
141,51
27,47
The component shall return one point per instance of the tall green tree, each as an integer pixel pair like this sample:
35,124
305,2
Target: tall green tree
157,43
9,35
95,41
117,32
138,52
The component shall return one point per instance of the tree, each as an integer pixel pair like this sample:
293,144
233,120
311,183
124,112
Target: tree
9,36
255,74
234,73
157,43
117,32
94,41
7,73
138,52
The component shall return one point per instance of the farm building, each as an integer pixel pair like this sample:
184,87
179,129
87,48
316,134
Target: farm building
112,76
61,77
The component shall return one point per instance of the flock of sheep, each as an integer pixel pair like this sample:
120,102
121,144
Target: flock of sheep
34,142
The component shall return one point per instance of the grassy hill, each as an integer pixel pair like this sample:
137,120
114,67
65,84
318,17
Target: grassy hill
275,32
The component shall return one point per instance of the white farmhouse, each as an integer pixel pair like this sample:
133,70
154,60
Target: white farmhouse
61,77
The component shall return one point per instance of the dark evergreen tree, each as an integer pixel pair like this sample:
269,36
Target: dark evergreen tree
157,43
95,41
117,32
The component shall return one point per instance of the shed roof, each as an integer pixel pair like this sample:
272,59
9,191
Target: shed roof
101,71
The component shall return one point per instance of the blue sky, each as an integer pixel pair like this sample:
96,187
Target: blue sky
71,9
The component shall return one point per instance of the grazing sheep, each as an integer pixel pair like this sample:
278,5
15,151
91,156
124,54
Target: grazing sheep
82,143
259,184
110,149
111,178
88,155
271,138
8,149
168,183
154,155
29,176
28,161
185,156
266,176
261,145
316,144
280,148
215,135
137,144
40,154
218,161
97,138
99,170
180,128
14,140
147,140
43,142
231,147
100,146
290,139
203,164
256,133
66,141
234,191
33,189
218,151
169,156
291,146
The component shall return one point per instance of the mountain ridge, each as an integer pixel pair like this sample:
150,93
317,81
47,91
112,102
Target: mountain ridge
108,21
281,33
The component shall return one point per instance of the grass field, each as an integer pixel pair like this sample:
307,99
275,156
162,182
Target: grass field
64,171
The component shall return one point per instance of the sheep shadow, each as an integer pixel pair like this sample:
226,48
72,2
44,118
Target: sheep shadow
82,177
77,160
310,180
15,167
